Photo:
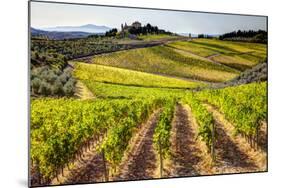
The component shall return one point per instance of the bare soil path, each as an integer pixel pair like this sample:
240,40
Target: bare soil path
233,153
185,154
82,92
89,170
211,56
140,162
188,156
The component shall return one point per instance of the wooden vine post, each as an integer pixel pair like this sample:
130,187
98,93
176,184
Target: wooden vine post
213,143
257,137
104,166
161,159
38,172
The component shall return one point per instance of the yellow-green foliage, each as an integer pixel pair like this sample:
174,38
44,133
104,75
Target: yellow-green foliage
59,127
223,46
193,48
106,90
245,106
204,118
239,55
164,60
106,74
235,61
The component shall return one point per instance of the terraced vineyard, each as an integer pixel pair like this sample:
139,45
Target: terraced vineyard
164,60
153,113
105,74
237,55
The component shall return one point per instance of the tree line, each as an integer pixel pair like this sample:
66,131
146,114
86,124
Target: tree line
259,36
143,30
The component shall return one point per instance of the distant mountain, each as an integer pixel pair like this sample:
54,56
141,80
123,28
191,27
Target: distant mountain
56,35
89,28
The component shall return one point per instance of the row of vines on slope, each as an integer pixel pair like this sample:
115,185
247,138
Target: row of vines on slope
116,143
60,128
161,137
245,106
204,120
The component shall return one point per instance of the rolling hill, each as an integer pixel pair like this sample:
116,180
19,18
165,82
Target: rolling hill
88,28
56,35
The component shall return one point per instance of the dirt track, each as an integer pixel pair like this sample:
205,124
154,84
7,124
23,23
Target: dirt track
91,170
185,153
141,160
82,92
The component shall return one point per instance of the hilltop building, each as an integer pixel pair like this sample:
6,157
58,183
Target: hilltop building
125,28
136,24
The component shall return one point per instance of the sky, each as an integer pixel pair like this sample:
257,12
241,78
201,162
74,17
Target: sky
45,15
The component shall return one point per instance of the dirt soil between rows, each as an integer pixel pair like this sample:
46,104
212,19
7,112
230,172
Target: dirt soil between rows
82,92
140,163
233,153
189,156
185,153
90,171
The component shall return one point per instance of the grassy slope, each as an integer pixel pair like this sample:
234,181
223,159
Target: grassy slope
193,48
113,75
233,54
106,90
164,60
110,82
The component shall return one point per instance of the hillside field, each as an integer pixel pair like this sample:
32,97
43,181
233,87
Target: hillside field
150,111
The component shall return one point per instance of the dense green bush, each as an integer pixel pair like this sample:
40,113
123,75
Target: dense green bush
51,59
46,81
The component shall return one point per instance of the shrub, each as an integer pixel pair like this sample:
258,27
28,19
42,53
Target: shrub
68,88
45,88
57,88
35,84
48,81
